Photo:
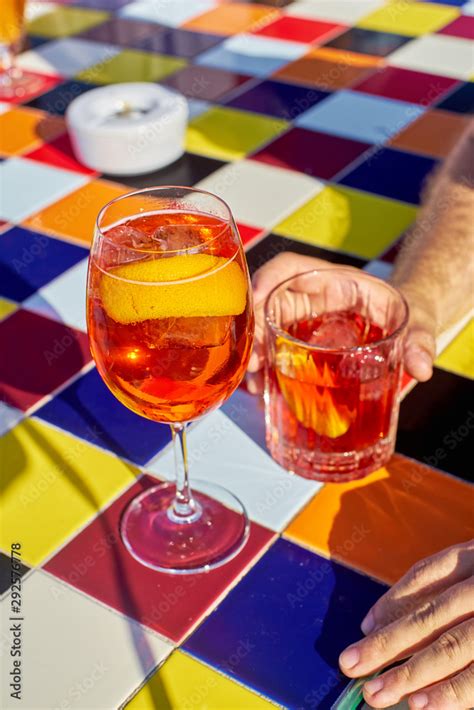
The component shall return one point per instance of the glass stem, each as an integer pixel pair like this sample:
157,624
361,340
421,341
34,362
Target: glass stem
6,64
184,509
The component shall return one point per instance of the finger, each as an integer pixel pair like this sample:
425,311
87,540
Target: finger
403,637
420,352
425,579
280,268
455,693
450,653
254,382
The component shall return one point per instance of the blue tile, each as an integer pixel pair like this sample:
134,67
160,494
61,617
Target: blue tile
457,3
29,260
249,54
362,117
89,410
392,173
276,98
281,629
247,411
460,101
58,99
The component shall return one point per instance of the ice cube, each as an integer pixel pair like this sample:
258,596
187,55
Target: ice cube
126,236
186,332
336,331
175,237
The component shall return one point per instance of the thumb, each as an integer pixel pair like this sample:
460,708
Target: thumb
420,350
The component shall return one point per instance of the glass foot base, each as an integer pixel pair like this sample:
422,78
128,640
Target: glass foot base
212,538
16,85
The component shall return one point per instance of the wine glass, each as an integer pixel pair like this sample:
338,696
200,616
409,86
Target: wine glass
171,323
13,83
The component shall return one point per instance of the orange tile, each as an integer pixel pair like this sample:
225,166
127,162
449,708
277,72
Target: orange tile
435,133
23,129
386,522
330,68
74,216
230,19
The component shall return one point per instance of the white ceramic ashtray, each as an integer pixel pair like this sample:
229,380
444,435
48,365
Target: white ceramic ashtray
128,129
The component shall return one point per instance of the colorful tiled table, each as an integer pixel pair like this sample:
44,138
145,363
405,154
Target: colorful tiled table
318,121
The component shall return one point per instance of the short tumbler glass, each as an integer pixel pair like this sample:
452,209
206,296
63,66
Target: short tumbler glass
333,367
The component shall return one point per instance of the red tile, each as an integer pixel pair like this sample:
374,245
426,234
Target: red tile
298,29
97,562
405,85
248,234
40,85
37,356
60,154
462,26
318,154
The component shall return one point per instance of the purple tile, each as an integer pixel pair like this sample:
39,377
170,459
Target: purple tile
108,5
317,154
124,33
205,83
182,43
297,609
276,98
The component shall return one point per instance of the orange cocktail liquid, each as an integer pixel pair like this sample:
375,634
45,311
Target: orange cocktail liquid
330,402
11,20
171,330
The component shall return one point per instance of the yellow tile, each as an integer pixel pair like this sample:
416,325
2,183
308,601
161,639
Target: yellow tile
22,130
349,220
75,215
409,18
387,521
132,65
6,307
182,682
230,134
458,357
65,21
52,484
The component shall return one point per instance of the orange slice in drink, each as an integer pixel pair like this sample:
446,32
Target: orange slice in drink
307,392
198,285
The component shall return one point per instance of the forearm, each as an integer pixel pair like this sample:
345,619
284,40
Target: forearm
436,264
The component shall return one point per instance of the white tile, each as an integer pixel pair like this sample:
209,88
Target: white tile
222,453
66,57
64,298
9,417
437,54
28,186
468,8
36,9
261,195
75,652
166,12
197,106
345,11
4,107
252,54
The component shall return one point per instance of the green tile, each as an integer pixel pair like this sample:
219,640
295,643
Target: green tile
230,134
349,220
132,65
66,21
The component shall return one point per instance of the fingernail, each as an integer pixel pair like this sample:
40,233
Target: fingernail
420,700
253,362
368,623
374,685
350,657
